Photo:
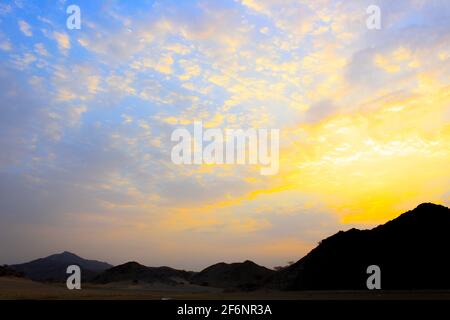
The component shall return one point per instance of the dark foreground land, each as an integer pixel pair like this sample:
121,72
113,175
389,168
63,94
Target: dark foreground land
18,288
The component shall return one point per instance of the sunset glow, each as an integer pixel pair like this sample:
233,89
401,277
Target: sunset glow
86,118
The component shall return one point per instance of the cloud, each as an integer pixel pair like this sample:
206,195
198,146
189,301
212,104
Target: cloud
4,9
25,28
162,65
62,40
20,109
41,50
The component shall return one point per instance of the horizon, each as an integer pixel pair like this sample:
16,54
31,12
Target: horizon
204,267
89,111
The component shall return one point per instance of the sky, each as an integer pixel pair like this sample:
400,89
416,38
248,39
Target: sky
86,117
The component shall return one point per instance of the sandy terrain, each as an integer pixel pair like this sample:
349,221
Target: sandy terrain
16,288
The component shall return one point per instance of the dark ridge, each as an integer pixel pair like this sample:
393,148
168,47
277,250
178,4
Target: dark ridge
6,271
245,276
137,273
411,250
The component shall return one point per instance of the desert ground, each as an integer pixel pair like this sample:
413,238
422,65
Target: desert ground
20,289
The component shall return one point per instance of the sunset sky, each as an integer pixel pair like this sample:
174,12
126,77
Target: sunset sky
86,118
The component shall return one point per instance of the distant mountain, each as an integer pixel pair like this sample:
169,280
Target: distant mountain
53,268
411,250
137,273
246,275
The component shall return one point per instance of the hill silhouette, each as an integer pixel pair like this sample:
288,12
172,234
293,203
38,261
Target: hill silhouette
411,250
135,272
6,271
246,275
53,267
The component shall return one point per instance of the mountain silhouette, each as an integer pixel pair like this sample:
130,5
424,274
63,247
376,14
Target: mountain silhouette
412,252
53,268
246,275
137,273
